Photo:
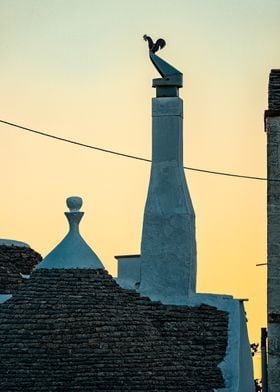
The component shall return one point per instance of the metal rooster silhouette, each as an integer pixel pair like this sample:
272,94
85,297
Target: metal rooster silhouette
170,75
154,46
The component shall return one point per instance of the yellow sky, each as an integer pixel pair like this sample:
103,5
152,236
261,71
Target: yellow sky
80,70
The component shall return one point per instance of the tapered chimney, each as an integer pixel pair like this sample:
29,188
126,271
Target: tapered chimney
168,248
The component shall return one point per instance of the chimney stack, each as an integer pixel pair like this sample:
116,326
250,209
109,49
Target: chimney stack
168,247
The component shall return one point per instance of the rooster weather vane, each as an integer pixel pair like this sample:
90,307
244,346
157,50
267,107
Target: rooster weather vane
171,77
154,46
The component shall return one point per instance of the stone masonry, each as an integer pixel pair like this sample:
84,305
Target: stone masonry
77,330
273,222
14,261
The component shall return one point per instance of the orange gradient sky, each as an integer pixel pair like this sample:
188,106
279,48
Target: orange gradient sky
80,70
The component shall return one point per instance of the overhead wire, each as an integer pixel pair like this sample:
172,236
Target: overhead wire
128,155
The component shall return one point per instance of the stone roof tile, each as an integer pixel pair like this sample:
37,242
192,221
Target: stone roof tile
14,261
77,330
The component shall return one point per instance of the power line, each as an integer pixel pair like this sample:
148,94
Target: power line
128,155
74,142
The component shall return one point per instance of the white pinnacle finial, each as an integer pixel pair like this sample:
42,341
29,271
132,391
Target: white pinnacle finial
72,251
74,203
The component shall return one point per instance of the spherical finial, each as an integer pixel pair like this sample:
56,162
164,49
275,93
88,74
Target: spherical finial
74,203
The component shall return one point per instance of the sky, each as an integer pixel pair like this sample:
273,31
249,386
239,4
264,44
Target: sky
80,70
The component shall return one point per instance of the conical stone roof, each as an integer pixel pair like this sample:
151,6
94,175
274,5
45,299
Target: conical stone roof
71,327
77,330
